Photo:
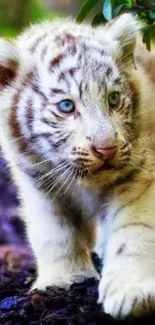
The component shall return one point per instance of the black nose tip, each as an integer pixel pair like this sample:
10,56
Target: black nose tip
104,153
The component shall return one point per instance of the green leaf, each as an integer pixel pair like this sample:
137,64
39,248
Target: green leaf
152,15
133,11
98,19
130,3
107,9
146,3
118,9
112,8
151,29
146,40
85,10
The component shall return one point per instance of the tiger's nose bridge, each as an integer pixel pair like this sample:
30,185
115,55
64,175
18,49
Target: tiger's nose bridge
106,143
105,135
101,133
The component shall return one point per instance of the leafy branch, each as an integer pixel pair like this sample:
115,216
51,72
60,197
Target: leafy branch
110,9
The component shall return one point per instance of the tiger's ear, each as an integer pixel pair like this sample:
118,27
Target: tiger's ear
122,32
9,62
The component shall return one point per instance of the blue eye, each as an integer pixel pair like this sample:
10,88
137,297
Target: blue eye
66,106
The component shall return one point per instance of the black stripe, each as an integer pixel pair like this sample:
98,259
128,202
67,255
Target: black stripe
29,113
119,109
38,91
57,116
80,89
121,307
117,81
124,146
56,61
57,91
57,144
37,42
48,122
109,71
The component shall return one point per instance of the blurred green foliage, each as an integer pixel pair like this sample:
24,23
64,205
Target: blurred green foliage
38,12
110,9
16,14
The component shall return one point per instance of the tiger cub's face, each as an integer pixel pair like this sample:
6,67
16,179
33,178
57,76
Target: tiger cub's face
77,105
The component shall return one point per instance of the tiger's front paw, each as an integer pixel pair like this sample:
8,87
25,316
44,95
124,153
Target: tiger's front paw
123,296
63,280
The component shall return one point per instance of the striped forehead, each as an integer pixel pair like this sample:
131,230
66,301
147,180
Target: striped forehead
67,58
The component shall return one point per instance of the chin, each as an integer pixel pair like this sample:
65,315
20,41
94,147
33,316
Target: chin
101,179
105,176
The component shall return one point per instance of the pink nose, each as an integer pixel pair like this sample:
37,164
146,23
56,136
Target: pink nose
104,153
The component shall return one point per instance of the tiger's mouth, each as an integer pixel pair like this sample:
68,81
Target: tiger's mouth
103,167
85,172
89,171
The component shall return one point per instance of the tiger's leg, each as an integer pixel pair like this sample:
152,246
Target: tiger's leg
60,248
127,286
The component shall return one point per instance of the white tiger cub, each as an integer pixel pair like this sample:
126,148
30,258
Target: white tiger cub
75,129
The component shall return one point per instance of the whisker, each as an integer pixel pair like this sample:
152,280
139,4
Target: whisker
56,179
46,177
144,112
63,184
71,183
140,168
49,175
17,139
40,163
141,139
